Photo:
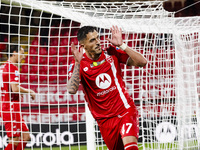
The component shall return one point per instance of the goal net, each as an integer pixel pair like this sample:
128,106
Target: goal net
166,91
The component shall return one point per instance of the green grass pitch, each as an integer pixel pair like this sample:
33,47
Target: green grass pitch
65,148
72,148
153,146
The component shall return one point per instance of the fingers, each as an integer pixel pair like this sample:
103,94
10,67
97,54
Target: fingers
110,40
115,29
33,96
120,30
112,30
73,47
81,50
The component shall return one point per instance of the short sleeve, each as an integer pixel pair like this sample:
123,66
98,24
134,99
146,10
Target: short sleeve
121,55
14,74
71,68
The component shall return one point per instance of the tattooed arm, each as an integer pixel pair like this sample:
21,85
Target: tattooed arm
74,81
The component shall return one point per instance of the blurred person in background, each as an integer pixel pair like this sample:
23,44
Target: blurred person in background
16,129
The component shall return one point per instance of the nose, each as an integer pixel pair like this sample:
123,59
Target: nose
98,41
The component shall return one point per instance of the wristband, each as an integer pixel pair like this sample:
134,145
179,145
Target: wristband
123,46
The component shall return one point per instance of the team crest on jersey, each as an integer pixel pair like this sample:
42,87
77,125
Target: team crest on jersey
103,81
16,73
109,59
85,69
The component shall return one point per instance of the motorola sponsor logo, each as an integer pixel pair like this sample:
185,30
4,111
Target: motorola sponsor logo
106,91
166,132
103,81
47,139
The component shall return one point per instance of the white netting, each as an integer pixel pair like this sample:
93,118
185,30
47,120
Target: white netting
166,91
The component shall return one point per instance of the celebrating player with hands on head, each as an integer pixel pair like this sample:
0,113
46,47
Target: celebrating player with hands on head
16,129
100,75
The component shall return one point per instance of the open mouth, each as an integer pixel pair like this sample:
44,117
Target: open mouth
98,47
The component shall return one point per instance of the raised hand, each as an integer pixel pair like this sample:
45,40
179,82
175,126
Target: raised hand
116,36
32,94
78,55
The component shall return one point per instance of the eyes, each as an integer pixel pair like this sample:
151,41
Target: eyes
94,39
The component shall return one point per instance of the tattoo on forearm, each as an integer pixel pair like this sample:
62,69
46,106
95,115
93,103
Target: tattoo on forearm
75,79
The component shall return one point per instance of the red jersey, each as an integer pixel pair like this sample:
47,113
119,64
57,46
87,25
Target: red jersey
103,85
8,74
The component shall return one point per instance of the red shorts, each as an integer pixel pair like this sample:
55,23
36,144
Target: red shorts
14,123
114,129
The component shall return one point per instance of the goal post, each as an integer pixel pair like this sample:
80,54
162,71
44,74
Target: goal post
166,91
90,128
187,69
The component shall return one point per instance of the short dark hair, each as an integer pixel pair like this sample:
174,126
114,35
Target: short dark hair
82,32
13,47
